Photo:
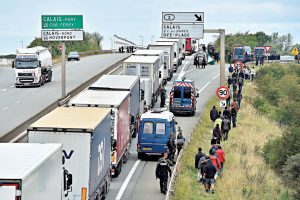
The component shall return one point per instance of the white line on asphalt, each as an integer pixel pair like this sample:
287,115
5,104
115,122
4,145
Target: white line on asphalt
181,74
12,86
125,183
18,101
204,86
3,90
216,76
4,108
189,71
120,73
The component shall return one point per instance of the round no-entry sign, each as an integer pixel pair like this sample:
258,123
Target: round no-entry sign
223,92
238,64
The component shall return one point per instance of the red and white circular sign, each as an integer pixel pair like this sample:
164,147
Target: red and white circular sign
223,92
238,64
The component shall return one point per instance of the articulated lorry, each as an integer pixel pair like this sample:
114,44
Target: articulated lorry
163,71
118,102
86,146
124,83
33,66
178,51
31,171
146,67
168,48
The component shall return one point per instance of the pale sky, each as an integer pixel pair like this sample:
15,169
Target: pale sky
20,20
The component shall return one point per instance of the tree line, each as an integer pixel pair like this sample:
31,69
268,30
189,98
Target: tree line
91,42
281,44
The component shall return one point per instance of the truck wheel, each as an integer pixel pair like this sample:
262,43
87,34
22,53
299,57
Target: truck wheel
140,156
49,76
193,113
125,157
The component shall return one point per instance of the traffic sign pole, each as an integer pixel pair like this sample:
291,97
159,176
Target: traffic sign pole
63,70
222,60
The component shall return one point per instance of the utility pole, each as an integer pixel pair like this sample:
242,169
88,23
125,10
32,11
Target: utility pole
63,70
222,52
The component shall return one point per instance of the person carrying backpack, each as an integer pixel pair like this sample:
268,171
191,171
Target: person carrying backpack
217,133
209,175
225,127
199,155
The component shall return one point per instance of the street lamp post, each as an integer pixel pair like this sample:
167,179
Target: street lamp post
142,40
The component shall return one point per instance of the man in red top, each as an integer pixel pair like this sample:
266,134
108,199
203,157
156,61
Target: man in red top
221,156
214,160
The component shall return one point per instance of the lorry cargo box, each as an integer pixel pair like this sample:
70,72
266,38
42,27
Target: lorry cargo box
118,102
85,136
30,171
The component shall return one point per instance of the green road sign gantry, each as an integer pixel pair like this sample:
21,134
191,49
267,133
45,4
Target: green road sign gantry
62,22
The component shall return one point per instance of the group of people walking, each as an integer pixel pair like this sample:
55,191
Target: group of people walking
211,166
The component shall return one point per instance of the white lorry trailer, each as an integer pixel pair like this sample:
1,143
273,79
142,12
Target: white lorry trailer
168,48
163,71
118,103
85,136
33,66
31,171
146,67
124,83
178,51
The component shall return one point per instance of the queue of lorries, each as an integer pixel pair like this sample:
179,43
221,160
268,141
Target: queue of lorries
74,150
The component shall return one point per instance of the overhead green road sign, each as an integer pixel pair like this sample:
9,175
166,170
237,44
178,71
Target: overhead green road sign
62,22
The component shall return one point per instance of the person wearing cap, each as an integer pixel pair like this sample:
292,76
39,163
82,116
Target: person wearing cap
162,171
221,157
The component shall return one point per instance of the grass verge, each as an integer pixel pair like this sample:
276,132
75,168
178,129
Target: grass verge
246,174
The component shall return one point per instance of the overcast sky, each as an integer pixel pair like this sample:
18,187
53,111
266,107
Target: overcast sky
20,20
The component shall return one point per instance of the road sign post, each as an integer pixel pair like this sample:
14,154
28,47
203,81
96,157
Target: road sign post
62,28
223,92
222,103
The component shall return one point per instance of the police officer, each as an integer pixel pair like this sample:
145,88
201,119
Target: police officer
161,172
180,140
163,92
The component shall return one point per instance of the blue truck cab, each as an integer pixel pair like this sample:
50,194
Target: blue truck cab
183,97
156,128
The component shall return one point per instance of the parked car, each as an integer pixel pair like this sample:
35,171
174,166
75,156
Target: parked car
73,55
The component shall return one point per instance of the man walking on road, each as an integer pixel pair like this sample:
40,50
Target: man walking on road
163,93
233,116
217,133
162,172
209,175
225,127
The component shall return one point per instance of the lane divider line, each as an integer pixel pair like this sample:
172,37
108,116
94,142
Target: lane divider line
204,86
126,182
182,73
4,108
216,76
3,90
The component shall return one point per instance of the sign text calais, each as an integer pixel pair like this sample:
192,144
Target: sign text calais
182,25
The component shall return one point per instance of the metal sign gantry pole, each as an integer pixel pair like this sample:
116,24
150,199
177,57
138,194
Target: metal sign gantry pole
63,70
222,52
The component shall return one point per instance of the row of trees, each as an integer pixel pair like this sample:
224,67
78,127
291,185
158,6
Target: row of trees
279,89
91,42
281,44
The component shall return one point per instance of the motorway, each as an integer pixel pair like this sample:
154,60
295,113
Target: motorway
20,104
137,180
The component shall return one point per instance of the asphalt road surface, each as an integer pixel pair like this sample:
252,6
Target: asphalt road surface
137,179
20,104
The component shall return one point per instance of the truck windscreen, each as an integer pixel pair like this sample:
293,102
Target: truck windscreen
26,64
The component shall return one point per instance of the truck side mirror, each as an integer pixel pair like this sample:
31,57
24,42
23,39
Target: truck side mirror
69,181
13,64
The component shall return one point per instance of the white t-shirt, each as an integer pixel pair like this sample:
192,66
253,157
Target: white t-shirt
252,71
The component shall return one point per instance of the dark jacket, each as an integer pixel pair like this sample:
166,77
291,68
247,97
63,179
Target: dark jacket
217,133
226,113
233,111
162,168
197,158
226,124
210,170
239,96
230,69
229,81
213,114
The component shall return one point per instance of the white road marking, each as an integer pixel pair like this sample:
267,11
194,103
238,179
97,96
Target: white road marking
216,76
181,74
4,108
3,90
204,86
120,73
125,183
12,86
18,101
189,71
